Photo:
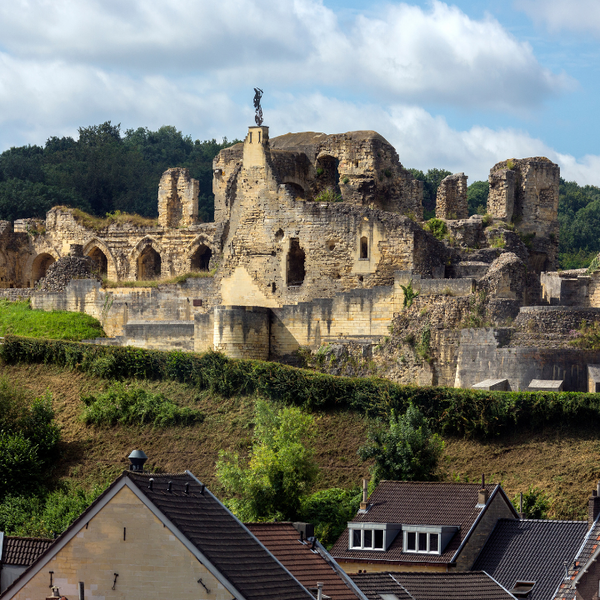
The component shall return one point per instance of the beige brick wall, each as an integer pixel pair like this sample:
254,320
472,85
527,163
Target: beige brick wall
152,563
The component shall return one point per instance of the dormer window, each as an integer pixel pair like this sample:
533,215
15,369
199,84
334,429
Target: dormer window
371,536
426,539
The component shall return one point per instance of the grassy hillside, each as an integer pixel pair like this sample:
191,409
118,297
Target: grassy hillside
17,318
563,462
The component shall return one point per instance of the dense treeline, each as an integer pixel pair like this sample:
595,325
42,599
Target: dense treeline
103,171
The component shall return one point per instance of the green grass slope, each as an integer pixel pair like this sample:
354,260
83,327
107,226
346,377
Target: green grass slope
17,318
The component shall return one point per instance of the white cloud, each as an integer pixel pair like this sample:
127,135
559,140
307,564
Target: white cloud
425,141
408,54
558,15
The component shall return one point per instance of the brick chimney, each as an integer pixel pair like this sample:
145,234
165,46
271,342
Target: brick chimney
365,495
482,494
594,505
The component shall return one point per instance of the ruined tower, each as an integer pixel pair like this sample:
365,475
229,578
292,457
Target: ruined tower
177,199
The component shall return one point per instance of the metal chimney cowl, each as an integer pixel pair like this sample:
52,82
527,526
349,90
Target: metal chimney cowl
137,459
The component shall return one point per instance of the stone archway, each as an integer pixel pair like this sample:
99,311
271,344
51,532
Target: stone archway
40,266
200,260
149,264
101,260
328,175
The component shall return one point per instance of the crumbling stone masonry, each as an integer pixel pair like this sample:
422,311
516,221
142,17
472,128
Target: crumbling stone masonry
451,200
525,192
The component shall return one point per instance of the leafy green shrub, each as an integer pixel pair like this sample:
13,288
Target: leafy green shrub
329,511
136,406
536,503
280,470
409,294
452,411
437,228
47,514
20,465
405,450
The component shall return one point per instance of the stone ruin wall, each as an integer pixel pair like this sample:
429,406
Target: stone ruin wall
177,199
451,199
525,192
281,249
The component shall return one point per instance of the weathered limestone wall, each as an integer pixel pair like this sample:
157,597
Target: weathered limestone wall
360,166
242,331
568,288
177,199
359,314
481,356
529,198
451,199
150,558
126,247
114,308
280,250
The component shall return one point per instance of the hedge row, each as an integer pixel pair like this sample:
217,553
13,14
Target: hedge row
453,411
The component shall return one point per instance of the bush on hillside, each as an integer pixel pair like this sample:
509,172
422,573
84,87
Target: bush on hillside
404,450
136,406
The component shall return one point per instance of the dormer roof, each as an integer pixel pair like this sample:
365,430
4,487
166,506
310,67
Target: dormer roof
421,503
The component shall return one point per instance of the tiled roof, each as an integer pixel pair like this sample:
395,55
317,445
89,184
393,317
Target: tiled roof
306,565
417,503
589,545
22,551
471,585
531,550
225,542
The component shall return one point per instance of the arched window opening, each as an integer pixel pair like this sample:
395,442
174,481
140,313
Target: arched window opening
295,263
149,264
364,248
40,266
100,259
201,258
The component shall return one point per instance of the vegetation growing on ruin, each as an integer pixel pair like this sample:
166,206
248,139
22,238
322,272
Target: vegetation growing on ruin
107,283
437,228
587,337
114,218
18,318
328,195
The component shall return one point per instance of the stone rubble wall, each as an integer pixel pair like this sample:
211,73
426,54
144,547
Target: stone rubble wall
451,199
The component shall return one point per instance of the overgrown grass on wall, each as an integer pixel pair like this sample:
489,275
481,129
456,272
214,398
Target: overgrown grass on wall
17,318
453,411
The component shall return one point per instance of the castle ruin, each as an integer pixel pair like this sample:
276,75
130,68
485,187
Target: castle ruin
315,240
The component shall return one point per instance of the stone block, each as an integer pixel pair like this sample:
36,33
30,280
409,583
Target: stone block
496,385
545,385
593,379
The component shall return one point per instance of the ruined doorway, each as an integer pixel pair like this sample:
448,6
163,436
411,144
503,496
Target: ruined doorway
40,266
201,258
328,176
149,264
100,259
295,263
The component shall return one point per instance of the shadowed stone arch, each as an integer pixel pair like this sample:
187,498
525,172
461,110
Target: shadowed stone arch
147,260
199,254
100,252
38,264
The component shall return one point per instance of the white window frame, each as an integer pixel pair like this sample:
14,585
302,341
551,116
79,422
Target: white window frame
429,532
362,527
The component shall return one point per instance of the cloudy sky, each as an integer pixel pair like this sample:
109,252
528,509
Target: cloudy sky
457,85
